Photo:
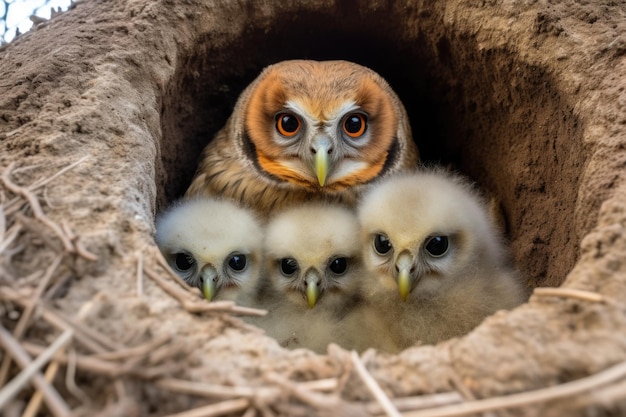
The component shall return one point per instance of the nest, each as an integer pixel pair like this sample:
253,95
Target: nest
103,112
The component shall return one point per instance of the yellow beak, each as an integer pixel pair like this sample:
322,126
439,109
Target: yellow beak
312,287
404,263
209,275
321,165
404,283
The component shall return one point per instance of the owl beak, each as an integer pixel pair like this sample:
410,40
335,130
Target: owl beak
404,265
321,147
312,280
209,277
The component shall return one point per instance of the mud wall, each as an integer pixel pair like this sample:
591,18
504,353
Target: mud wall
528,99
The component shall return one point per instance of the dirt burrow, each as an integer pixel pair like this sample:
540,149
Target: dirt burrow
527,99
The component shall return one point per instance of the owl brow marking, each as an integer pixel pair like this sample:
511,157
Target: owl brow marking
250,150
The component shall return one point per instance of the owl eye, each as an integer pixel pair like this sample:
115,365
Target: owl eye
288,266
338,265
355,124
184,261
437,246
287,124
382,245
237,262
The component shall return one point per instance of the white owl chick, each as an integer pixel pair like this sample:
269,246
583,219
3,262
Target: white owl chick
314,270
440,264
213,245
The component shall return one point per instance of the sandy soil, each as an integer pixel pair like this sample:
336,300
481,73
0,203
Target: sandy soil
527,98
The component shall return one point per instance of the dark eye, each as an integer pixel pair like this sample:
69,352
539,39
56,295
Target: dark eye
184,261
237,262
437,246
287,124
355,124
382,245
288,266
338,265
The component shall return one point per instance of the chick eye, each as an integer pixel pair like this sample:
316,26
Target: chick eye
382,245
437,246
288,266
338,265
287,124
237,262
184,261
355,124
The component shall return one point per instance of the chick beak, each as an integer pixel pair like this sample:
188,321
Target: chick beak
404,264
404,283
312,287
209,276
321,147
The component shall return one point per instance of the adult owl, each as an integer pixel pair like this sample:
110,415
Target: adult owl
307,131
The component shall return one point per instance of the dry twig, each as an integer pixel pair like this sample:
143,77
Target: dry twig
31,370
109,369
70,378
223,391
569,292
418,402
36,207
191,306
82,333
34,226
10,236
35,402
20,328
13,204
80,249
163,263
569,389
304,394
214,410
373,386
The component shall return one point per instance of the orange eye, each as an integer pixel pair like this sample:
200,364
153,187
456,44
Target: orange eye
355,125
287,124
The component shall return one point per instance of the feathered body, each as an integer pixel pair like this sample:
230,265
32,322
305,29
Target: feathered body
213,245
307,131
439,264
314,272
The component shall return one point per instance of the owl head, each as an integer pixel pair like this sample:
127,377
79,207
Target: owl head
211,244
325,126
313,255
427,231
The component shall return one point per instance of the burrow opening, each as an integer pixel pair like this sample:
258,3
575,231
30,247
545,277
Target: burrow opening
486,112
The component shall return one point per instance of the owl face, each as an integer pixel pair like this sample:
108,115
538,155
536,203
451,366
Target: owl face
424,231
213,245
313,255
323,125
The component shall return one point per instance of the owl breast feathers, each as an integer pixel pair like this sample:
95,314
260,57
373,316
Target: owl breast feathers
307,130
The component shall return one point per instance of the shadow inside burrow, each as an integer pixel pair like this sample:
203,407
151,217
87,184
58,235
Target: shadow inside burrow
485,112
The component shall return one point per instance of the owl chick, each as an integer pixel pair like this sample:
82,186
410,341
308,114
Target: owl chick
213,245
307,130
440,265
313,265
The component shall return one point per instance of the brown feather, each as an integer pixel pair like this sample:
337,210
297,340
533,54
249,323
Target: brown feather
246,163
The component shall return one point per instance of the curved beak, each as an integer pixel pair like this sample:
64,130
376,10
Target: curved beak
405,278
209,277
312,281
321,147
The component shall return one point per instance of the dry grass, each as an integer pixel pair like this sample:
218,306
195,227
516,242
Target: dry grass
77,349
